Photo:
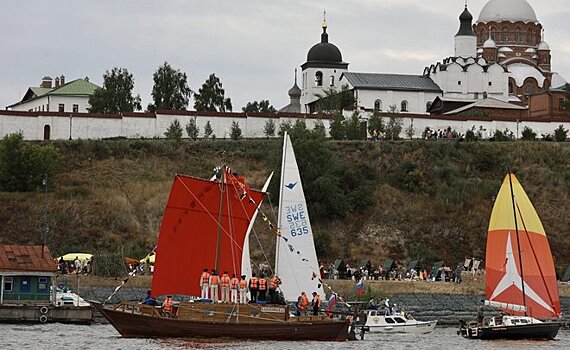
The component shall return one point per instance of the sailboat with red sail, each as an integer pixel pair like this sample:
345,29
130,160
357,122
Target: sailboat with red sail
205,224
520,275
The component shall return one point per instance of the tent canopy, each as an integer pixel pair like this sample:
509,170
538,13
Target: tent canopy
339,265
364,264
148,259
72,256
566,276
435,269
412,265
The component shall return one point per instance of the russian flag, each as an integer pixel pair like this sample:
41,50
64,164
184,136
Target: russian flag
359,288
330,305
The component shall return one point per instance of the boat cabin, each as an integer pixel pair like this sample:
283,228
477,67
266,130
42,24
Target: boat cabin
27,274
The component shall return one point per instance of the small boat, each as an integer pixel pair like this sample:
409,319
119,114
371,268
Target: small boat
382,321
205,224
520,275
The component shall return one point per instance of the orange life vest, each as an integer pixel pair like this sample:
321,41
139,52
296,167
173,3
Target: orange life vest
167,305
234,283
274,283
243,285
262,284
225,280
253,283
317,301
304,302
205,277
214,280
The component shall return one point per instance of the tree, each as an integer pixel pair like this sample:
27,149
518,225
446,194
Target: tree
319,130
192,129
285,126
528,134
410,130
174,131
24,166
269,128
353,126
210,97
394,125
335,101
560,134
375,123
235,132
116,95
262,106
299,130
208,130
170,90
337,128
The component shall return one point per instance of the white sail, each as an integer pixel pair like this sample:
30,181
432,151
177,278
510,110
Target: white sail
245,256
296,260
507,306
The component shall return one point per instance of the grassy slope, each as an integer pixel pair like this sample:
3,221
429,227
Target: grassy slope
432,199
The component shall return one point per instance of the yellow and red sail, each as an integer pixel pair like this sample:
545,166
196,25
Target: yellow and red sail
503,261
197,212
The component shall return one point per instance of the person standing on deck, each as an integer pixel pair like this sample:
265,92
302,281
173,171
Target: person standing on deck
234,285
214,283
253,288
242,290
274,283
316,303
167,306
262,289
303,304
225,287
205,284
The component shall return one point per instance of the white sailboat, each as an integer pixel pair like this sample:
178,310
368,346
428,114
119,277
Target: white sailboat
295,259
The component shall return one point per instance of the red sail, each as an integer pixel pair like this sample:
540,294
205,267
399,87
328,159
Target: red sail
188,238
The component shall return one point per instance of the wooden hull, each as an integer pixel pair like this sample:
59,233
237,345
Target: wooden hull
131,324
545,330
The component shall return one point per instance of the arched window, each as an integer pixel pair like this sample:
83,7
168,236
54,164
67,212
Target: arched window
518,35
319,78
483,36
404,106
47,131
428,106
332,80
505,35
494,34
377,105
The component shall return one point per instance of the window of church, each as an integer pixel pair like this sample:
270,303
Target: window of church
319,78
490,83
61,107
505,35
483,36
494,34
332,80
518,35
377,105
459,82
562,103
404,106
428,106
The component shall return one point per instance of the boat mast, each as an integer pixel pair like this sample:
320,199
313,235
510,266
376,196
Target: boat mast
219,239
281,184
518,242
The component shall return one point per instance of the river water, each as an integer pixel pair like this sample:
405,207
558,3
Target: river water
58,336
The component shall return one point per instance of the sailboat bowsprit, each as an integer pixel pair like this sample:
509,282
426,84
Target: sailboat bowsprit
520,275
205,225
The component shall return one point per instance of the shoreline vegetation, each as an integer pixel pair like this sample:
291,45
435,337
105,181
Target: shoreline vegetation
471,285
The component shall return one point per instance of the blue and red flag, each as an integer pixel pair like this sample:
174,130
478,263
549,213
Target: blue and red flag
359,288
330,305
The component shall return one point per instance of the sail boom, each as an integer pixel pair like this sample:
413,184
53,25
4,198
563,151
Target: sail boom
507,306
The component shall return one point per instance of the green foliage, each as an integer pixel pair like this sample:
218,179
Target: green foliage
410,130
174,131
211,97
235,132
560,134
116,94
528,134
23,166
299,130
353,126
319,130
192,129
473,134
285,126
262,106
322,242
208,130
337,128
269,128
547,137
504,135
394,125
170,90
375,123
333,101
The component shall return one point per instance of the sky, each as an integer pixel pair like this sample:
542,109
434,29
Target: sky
252,46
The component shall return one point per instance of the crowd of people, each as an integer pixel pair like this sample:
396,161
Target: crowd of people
77,266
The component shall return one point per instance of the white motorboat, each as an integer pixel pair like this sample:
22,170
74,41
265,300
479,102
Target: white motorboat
382,321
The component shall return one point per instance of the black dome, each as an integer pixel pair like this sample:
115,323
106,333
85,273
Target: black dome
324,51
466,26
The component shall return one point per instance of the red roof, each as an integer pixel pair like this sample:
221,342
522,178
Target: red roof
26,258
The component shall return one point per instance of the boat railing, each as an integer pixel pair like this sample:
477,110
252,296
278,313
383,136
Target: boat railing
136,308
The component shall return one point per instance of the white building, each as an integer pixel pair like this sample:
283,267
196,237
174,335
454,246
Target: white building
64,97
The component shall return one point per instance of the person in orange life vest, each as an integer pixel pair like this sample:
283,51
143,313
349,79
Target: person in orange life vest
253,288
225,281
214,283
242,290
205,284
234,285
274,283
316,303
167,306
303,304
262,289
